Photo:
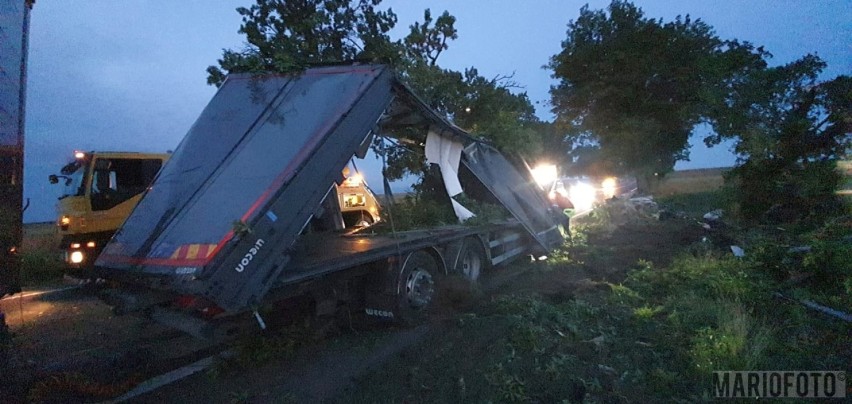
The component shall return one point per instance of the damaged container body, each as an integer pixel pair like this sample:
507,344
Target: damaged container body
224,220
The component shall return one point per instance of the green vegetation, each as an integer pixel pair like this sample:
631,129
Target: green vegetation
655,336
699,203
40,266
632,88
416,212
287,37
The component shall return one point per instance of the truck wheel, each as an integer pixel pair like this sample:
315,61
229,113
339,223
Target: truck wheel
416,287
471,260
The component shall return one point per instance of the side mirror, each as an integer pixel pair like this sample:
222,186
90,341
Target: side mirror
53,179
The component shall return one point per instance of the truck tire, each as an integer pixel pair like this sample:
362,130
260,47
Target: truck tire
471,261
416,287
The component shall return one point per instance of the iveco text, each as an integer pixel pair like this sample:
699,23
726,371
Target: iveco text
249,256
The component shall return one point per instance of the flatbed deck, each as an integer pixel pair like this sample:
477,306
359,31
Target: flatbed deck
320,254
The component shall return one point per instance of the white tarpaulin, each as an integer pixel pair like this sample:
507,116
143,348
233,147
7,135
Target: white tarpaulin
446,153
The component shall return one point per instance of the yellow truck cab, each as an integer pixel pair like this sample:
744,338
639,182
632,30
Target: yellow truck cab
101,189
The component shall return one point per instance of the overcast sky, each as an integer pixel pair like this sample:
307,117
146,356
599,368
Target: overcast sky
129,75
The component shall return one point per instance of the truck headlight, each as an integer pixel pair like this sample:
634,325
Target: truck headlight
76,257
544,174
608,187
582,195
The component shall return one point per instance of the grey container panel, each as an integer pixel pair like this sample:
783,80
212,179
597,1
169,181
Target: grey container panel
267,156
230,115
293,205
248,134
518,195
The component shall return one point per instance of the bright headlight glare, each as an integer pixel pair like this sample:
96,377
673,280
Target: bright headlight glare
354,180
544,174
608,187
76,257
582,195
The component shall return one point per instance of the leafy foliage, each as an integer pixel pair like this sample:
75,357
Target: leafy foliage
631,88
288,36
790,130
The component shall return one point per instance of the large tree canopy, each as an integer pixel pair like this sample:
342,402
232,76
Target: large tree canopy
631,89
287,36
789,129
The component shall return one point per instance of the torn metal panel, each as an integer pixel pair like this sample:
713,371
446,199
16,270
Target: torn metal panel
518,195
445,151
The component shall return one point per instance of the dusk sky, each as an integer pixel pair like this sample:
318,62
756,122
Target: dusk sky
130,74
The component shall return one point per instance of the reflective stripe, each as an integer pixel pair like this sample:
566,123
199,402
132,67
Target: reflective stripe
194,251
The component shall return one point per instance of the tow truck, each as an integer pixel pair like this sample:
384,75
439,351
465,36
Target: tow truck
101,189
247,210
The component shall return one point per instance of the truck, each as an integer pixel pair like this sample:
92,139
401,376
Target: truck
101,188
14,40
247,210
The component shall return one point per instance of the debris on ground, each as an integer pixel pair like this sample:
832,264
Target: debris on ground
713,215
737,251
644,204
633,210
818,307
799,249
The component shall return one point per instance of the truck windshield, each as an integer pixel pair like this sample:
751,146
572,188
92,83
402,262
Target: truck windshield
74,187
74,178
115,180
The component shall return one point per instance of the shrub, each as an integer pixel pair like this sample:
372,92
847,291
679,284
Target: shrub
776,191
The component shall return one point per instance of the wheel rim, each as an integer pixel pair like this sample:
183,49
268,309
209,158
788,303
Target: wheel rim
419,288
471,265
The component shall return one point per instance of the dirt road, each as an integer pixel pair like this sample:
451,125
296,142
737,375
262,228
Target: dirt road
68,340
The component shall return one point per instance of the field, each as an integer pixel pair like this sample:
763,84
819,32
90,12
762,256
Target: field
40,256
690,181
846,168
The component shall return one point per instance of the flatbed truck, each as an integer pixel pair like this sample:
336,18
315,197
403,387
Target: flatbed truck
245,211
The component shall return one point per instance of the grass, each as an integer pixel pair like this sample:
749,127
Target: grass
656,336
698,203
40,267
41,262
40,256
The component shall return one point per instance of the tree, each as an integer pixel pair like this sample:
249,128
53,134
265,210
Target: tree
287,36
790,129
631,89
